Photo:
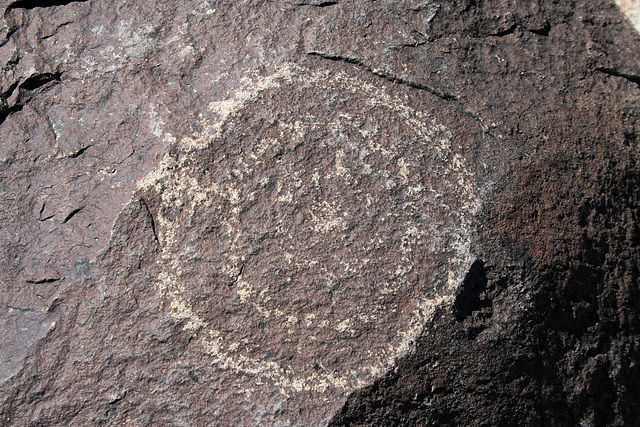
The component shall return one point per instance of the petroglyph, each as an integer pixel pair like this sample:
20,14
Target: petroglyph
306,241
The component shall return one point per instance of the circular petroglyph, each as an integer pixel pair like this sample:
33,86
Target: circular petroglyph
310,232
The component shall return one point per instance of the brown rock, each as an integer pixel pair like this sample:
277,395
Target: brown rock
302,213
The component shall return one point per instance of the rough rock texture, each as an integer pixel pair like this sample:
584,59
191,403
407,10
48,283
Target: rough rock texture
312,213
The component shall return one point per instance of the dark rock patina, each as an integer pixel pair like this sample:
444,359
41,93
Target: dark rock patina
312,213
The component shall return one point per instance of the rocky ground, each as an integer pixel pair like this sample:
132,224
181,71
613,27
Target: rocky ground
319,213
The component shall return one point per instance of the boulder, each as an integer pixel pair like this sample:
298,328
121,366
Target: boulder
319,213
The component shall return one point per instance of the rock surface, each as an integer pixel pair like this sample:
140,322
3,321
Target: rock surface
312,213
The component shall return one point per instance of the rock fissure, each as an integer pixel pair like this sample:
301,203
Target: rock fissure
394,79
633,78
32,4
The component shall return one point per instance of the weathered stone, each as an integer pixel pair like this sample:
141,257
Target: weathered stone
318,212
